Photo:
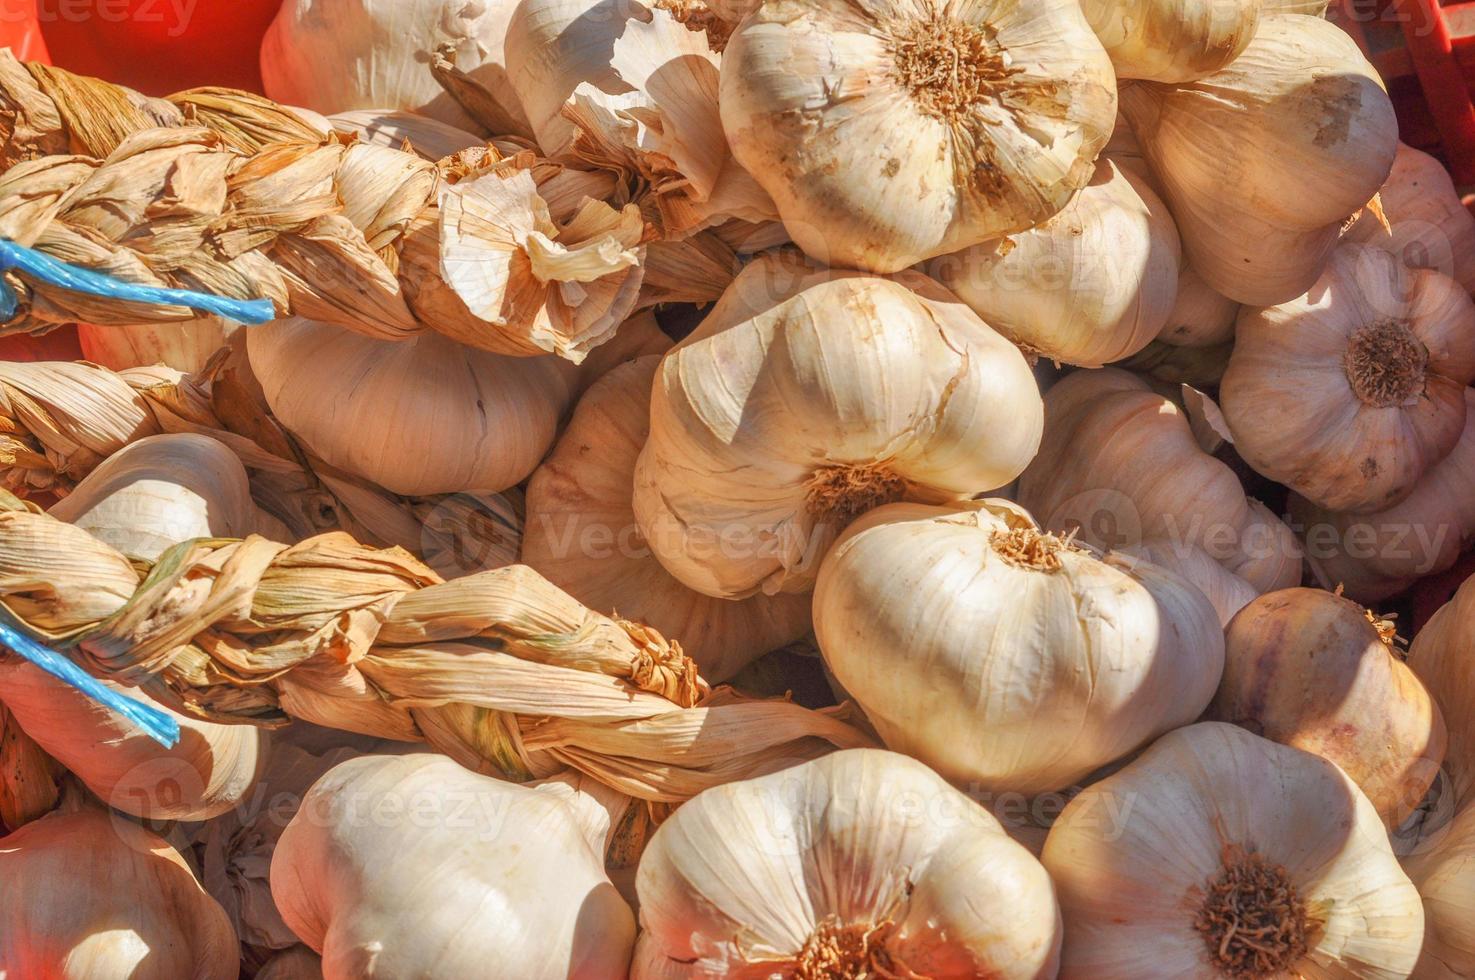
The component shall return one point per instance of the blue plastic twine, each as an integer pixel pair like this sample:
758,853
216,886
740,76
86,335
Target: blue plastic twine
155,723
40,266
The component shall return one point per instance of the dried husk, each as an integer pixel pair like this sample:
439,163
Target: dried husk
1424,223
1262,162
335,55
768,436
893,132
185,347
1172,40
1093,284
1200,316
1214,827
1227,592
1088,658
517,865
1350,393
1440,656
498,669
30,780
1444,873
423,416
427,136
581,534
1310,669
819,871
1377,555
89,896
1121,464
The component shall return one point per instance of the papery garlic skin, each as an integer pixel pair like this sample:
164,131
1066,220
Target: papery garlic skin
808,396
1440,656
1004,658
335,55
581,535
1443,870
1350,393
768,872
1135,855
429,137
420,416
183,346
1121,464
1380,554
1201,317
1309,669
1428,227
1262,162
1172,40
90,896
874,161
297,963
1227,592
517,878
1091,285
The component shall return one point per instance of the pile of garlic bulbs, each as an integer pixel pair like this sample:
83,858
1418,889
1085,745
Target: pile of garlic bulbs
756,488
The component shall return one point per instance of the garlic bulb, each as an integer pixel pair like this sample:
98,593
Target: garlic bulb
1440,656
1350,393
808,396
420,416
1172,40
581,535
1444,873
517,881
822,870
1226,591
1222,854
1121,465
1262,162
161,490
333,55
1427,225
890,133
1004,657
1093,284
87,896
1310,669
1380,554
1200,316
183,346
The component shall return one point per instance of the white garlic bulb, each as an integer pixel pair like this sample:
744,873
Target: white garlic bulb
1443,870
1201,316
1220,854
1262,162
893,132
183,346
582,536
89,896
1172,40
1428,227
1093,284
1350,393
1004,657
861,863
1227,592
421,416
805,398
518,882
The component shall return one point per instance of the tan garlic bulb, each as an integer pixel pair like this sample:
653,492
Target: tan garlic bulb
1227,592
1440,656
822,870
517,880
87,896
161,490
1005,657
183,346
1220,855
895,132
1350,393
582,536
1427,225
1093,284
1311,669
420,416
1263,161
1172,40
1120,465
808,396
1377,555
1201,316
334,55
1443,870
